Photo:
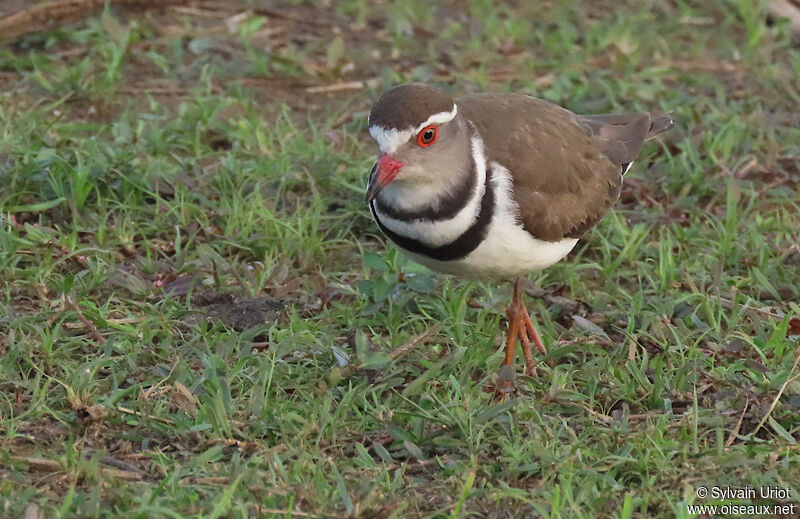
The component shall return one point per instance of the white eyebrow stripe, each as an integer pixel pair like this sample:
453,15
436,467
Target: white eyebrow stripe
439,118
389,140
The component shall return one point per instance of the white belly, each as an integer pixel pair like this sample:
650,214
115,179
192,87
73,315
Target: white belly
508,251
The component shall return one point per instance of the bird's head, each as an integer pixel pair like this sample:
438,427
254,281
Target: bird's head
422,140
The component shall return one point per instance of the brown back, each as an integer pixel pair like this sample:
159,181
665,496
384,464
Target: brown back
567,169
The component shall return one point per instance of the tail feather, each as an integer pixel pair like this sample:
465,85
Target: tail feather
659,124
620,136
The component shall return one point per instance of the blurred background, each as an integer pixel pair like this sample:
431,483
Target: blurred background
196,310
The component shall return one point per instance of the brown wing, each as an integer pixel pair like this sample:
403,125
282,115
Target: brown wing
567,169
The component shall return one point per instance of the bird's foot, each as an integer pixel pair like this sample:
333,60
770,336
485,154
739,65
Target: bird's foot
531,335
521,329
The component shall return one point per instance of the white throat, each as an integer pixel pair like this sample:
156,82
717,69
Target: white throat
441,232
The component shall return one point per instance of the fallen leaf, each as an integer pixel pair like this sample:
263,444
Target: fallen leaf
341,356
335,52
794,326
184,399
589,326
180,285
89,413
413,449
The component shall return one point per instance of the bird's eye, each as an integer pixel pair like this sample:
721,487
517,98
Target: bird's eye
428,136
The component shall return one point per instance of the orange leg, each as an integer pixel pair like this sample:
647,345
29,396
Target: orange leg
532,334
520,326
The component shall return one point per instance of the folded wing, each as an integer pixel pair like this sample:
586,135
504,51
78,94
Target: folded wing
567,168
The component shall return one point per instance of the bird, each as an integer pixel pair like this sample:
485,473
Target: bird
495,186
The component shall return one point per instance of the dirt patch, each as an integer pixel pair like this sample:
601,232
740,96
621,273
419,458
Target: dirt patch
240,314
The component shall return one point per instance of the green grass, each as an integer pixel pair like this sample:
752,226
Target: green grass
157,166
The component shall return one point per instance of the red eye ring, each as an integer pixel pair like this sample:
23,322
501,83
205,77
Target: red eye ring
427,136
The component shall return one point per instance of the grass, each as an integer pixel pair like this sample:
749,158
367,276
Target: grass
167,176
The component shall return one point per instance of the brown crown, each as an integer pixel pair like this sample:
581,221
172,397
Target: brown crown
408,105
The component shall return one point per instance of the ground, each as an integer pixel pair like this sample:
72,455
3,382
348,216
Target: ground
199,318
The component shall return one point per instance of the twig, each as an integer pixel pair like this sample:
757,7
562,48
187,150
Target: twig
343,86
149,391
631,418
50,466
699,65
212,481
125,410
400,351
727,304
738,426
405,348
86,322
288,82
193,11
121,474
123,465
37,464
121,320
696,20
601,416
778,396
